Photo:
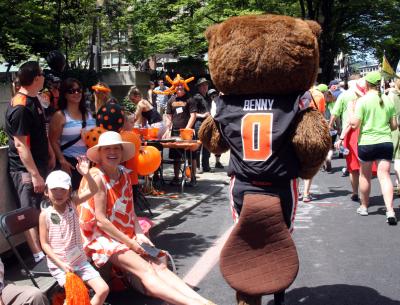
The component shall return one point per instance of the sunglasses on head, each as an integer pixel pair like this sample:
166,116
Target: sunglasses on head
72,91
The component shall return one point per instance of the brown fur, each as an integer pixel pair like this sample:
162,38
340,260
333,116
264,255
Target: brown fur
311,142
211,138
263,54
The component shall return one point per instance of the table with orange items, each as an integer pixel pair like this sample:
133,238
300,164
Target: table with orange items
188,147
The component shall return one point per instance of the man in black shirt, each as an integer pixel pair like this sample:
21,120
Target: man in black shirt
203,111
181,113
29,153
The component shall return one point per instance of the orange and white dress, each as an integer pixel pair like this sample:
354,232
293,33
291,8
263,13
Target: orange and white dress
98,245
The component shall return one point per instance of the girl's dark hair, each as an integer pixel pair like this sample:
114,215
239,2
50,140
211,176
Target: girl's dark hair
65,86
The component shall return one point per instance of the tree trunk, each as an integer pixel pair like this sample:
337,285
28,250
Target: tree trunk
328,43
92,44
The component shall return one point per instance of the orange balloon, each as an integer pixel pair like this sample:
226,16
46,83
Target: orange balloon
91,137
149,159
130,136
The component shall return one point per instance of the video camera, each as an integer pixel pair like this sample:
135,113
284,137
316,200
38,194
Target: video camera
50,79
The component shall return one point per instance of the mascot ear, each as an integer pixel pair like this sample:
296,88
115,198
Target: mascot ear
315,27
211,30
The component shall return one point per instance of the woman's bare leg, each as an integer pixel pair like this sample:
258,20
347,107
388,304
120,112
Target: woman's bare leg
172,279
154,285
386,184
365,182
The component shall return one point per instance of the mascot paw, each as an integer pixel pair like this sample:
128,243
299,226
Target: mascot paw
311,141
211,138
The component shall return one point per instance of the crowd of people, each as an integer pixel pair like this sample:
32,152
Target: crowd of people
90,212
87,213
364,125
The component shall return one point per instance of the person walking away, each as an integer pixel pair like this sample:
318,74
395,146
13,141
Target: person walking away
213,94
161,99
203,111
375,115
394,96
348,137
67,127
60,233
318,103
331,96
29,154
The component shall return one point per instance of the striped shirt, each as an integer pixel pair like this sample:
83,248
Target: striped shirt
71,130
63,234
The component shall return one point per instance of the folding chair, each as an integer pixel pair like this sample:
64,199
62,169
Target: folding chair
143,202
16,222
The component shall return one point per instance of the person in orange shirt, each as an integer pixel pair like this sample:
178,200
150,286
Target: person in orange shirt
318,102
318,95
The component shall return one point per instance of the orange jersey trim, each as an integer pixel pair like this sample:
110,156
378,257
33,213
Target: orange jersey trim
18,99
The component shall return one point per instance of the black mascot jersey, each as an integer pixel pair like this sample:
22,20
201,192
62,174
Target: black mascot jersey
258,130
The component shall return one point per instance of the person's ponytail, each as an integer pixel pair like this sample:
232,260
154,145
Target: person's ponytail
377,88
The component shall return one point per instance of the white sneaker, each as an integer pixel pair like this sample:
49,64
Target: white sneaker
391,218
363,211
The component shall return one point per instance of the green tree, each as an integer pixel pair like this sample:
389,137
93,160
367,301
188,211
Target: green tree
25,30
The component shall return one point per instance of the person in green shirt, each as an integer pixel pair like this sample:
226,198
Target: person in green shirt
375,115
348,137
394,96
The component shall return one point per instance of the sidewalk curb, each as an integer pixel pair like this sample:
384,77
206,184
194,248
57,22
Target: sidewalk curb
164,223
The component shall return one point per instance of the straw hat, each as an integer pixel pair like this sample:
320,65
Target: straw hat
111,138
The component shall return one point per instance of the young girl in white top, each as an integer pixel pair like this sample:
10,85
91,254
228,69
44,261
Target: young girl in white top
60,233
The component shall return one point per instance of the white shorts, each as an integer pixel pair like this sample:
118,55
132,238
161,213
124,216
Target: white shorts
85,271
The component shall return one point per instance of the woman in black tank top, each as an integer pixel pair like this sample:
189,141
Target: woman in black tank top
145,113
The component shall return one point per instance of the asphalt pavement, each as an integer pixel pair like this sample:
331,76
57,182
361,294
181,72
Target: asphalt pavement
345,258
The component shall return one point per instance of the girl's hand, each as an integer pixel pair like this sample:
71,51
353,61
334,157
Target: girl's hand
83,165
141,238
67,268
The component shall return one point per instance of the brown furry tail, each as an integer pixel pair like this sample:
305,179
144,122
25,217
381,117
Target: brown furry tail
311,141
211,138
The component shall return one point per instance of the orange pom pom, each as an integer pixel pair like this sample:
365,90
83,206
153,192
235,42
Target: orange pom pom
149,159
75,290
58,298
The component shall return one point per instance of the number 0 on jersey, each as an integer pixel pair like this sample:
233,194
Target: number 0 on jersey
257,136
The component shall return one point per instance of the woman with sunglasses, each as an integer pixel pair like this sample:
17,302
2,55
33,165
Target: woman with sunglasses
67,126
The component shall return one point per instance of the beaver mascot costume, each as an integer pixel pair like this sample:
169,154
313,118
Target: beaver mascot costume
263,65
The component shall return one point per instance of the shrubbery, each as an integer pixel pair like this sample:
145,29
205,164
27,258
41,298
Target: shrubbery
3,138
